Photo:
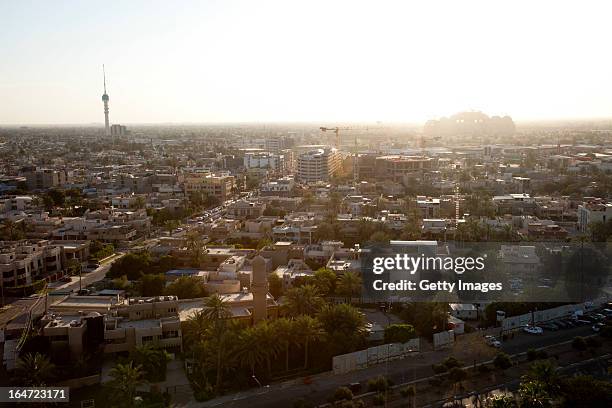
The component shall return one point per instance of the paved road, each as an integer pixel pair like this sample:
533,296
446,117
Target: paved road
88,278
399,371
522,341
18,310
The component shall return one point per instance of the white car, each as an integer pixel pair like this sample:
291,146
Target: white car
533,330
492,341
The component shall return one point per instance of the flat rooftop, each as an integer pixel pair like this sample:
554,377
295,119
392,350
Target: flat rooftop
86,302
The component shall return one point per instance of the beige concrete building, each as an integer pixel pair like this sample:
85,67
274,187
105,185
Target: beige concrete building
220,187
113,323
318,165
25,262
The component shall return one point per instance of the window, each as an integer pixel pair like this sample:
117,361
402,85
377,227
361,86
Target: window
170,334
146,339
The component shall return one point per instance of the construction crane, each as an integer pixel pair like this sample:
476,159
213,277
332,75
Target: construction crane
337,130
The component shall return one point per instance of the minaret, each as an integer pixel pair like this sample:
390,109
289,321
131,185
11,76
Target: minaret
259,287
105,100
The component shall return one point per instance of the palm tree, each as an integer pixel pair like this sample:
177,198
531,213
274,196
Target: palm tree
349,285
303,300
34,370
195,328
532,394
153,361
216,309
345,326
195,246
268,342
249,353
9,228
126,377
502,401
286,334
217,312
308,329
140,202
545,372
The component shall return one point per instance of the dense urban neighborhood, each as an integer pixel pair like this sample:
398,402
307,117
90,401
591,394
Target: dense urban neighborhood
306,204
226,265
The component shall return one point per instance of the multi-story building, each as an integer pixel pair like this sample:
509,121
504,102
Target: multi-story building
18,203
593,210
115,324
221,186
366,166
429,207
40,179
279,187
118,130
243,209
396,168
515,204
318,165
265,160
25,262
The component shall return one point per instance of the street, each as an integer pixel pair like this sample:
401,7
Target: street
398,371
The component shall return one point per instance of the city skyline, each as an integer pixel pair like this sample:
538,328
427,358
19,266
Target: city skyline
235,61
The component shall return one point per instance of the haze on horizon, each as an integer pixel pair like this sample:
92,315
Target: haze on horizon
262,61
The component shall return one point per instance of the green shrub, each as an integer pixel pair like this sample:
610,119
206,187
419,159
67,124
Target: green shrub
502,361
484,369
439,368
399,333
379,399
379,384
457,374
451,362
542,355
342,393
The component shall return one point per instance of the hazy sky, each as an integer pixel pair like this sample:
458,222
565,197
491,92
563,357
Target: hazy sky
256,60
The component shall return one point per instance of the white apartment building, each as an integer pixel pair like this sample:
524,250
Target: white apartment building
265,160
592,211
25,262
318,165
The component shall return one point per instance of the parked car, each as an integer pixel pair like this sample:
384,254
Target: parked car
492,341
550,326
570,323
583,322
597,327
533,330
